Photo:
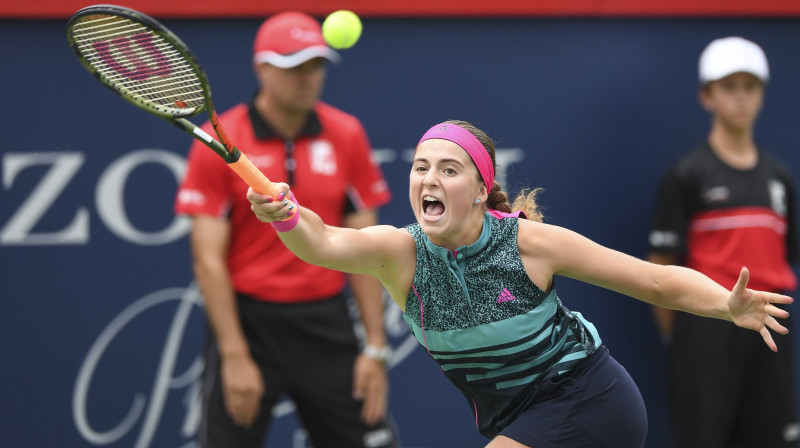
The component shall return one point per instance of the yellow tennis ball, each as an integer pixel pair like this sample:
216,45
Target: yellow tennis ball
341,29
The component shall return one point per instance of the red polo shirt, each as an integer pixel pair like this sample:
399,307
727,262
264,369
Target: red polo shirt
333,173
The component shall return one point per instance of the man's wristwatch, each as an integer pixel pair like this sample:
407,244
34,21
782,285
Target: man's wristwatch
382,354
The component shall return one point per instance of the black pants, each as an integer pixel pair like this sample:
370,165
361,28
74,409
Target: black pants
728,389
306,351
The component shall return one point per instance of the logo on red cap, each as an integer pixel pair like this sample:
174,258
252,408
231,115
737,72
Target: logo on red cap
302,35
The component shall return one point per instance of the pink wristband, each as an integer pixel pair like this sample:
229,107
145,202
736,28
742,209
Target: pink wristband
285,226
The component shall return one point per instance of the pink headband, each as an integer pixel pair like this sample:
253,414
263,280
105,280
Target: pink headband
470,144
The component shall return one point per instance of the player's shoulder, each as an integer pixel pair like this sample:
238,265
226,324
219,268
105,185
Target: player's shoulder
390,234
536,238
397,242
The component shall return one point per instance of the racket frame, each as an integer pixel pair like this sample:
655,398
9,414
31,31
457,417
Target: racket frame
235,159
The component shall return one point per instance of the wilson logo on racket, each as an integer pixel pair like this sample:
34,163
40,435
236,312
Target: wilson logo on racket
130,48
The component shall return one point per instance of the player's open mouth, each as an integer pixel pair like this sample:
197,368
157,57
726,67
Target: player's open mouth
431,206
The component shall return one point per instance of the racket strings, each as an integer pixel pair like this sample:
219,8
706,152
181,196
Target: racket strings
140,63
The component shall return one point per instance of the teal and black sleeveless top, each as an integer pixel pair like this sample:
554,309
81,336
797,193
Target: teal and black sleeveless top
494,333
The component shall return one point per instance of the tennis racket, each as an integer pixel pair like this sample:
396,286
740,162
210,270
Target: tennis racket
149,66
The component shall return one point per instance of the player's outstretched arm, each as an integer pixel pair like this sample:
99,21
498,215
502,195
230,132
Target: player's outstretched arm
364,251
550,250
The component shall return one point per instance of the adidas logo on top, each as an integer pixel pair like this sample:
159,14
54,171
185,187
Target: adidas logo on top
505,296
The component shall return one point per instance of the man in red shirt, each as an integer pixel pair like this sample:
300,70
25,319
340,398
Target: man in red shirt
279,325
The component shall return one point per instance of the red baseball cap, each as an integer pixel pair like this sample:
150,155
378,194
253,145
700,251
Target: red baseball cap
289,39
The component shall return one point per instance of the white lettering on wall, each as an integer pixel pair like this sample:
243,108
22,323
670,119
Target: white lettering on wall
110,200
19,228
505,158
147,410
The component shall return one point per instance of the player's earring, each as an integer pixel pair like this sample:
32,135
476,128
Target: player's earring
477,201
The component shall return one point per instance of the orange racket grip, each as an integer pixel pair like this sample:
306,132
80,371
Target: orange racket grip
250,174
255,178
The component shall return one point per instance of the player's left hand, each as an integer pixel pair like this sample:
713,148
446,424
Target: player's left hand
756,310
371,385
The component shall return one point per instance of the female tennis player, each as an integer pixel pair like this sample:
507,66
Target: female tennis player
476,285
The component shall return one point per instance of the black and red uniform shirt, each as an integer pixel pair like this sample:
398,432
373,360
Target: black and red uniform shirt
331,172
719,218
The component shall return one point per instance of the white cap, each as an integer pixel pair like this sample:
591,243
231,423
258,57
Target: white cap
729,55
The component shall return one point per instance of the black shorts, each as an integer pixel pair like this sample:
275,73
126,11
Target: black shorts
597,405
728,389
306,351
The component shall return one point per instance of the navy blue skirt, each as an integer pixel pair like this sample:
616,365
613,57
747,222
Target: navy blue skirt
596,405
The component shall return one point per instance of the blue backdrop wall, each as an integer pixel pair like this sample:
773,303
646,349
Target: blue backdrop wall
102,327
